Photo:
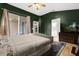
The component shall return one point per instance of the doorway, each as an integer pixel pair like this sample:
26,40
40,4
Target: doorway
55,29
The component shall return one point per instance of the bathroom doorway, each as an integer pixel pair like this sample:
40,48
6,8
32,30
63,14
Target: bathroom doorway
55,29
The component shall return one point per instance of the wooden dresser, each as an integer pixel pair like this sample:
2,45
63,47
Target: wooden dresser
70,37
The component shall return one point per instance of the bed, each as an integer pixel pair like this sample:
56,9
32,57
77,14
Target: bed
27,45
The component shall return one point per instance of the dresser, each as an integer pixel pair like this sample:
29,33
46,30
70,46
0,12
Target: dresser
70,37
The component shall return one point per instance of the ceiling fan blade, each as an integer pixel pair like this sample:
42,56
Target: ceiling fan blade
30,6
43,5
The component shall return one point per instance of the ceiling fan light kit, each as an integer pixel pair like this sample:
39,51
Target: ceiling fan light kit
37,5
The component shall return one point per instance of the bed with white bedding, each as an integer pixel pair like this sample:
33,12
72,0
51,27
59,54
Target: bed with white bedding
27,45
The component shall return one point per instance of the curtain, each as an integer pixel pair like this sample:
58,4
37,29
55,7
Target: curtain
4,29
28,24
24,25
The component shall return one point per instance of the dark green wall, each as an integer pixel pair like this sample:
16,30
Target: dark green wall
18,11
1,11
67,18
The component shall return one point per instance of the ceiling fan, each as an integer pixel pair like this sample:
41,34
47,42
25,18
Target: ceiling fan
37,5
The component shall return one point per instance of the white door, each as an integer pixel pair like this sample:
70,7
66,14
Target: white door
55,29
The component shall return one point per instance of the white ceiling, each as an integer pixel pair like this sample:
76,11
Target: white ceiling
50,7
